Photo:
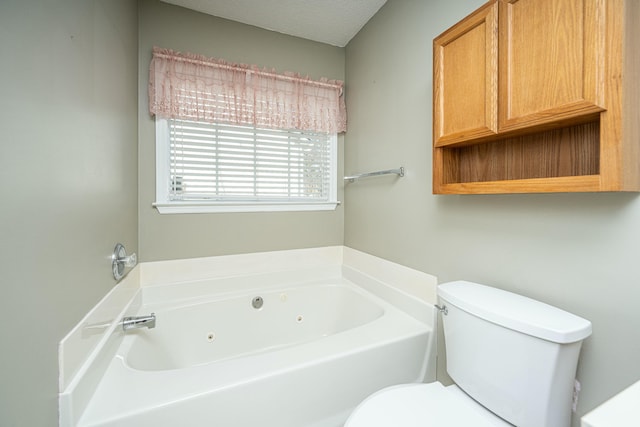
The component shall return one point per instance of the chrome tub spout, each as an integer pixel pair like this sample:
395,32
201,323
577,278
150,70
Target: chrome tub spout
136,322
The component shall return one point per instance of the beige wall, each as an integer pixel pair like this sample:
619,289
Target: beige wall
576,251
185,236
69,184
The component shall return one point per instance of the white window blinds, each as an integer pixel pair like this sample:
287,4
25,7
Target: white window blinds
230,164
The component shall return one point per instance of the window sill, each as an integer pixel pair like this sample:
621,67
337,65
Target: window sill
199,207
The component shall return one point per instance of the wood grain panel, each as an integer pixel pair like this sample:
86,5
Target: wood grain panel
551,57
465,78
571,151
536,185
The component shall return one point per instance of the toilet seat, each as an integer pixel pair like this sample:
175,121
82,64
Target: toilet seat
422,405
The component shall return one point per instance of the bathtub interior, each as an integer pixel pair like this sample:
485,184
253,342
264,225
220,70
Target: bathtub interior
217,328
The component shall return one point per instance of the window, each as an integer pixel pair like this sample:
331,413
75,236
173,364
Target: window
205,167
238,138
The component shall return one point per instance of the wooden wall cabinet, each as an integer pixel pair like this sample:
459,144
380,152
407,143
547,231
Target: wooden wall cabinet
538,96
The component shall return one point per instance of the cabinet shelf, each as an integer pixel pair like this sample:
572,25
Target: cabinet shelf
560,153
586,183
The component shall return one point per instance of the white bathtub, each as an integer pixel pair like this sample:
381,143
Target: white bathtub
306,358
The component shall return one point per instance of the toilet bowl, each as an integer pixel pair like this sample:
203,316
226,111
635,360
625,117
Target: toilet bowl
422,405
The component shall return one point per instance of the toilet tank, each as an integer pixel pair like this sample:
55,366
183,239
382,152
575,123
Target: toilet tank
514,355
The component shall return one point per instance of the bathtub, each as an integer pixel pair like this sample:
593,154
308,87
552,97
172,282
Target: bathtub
276,355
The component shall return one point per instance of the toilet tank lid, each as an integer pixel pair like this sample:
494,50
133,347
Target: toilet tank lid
515,312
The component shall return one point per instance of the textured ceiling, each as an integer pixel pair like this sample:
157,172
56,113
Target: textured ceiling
333,22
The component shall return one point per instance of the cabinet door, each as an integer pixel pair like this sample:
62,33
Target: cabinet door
551,61
465,78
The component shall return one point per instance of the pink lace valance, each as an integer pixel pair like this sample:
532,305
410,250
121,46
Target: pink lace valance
193,87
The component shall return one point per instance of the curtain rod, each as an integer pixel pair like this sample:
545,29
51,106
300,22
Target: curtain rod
248,70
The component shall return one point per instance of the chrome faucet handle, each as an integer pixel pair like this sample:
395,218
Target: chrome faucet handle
129,260
120,260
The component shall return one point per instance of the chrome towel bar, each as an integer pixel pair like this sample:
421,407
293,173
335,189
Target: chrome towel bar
399,172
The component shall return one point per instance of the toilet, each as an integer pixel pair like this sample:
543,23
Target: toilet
512,359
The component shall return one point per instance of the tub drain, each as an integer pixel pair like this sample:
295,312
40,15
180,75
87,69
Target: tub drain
211,337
